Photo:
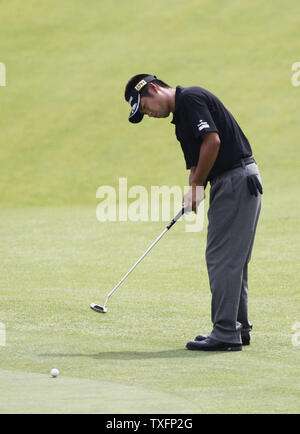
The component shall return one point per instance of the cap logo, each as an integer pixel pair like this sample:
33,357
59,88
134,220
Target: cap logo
141,84
133,107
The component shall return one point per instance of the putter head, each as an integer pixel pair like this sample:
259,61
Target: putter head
98,308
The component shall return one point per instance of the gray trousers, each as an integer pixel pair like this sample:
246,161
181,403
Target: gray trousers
232,219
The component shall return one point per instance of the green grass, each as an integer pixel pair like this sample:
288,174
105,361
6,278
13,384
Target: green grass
37,393
64,132
58,260
64,128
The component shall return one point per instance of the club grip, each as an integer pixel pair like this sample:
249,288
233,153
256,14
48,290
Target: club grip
181,212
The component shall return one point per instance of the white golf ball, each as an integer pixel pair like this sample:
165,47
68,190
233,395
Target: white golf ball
54,372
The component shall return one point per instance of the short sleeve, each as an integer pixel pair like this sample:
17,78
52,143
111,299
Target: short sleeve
198,115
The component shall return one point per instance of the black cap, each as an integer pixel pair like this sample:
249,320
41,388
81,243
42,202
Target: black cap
135,99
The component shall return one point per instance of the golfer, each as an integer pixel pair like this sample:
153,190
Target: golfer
216,151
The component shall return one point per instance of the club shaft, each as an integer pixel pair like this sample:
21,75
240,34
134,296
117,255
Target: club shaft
137,262
146,252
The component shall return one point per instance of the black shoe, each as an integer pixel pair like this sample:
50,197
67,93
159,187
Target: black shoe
210,344
244,335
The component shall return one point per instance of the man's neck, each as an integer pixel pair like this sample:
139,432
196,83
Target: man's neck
172,93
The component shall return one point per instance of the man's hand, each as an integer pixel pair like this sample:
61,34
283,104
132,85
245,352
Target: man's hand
192,198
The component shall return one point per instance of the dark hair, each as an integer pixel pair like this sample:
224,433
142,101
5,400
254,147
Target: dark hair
144,91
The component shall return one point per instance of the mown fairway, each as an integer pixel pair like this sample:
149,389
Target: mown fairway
64,132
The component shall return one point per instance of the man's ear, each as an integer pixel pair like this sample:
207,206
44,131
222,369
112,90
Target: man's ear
152,88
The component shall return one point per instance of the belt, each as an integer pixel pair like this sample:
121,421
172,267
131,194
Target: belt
242,163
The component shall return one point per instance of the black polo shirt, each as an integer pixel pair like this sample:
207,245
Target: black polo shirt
197,112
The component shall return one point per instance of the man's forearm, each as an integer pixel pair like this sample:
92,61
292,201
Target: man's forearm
192,174
208,153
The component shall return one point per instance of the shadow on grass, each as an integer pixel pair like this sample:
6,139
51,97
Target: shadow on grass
139,355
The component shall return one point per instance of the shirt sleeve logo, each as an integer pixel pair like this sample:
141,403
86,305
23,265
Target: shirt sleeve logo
202,124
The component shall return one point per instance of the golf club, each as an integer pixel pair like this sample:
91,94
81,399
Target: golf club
103,309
